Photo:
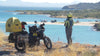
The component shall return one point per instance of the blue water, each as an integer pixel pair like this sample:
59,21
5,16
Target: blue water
81,34
28,8
30,18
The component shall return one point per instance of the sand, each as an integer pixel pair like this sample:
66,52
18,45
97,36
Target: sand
2,37
61,23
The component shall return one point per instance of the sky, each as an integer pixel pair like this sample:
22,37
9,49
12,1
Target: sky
43,3
60,1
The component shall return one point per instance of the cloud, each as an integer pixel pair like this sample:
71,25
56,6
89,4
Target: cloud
89,1
61,1
43,3
48,1
3,0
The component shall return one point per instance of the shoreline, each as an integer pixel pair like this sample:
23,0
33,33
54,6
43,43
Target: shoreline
49,15
52,16
3,36
60,23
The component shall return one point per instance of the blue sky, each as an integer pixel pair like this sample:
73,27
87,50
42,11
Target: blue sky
43,3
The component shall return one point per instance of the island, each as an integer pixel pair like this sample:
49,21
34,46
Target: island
87,13
83,6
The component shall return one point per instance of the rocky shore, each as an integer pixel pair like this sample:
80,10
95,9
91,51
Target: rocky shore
97,26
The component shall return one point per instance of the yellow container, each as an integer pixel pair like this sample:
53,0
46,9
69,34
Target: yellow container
35,34
13,25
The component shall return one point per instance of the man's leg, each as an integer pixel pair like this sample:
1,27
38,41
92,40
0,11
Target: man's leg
70,39
67,36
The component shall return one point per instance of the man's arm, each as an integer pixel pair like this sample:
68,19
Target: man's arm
73,22
65,24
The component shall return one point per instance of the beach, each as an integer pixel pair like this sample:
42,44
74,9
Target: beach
62,23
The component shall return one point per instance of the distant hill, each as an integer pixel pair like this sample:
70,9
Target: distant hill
20,3
83,6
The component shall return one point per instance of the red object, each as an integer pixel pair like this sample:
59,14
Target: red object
23,27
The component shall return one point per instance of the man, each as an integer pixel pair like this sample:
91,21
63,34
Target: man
68,28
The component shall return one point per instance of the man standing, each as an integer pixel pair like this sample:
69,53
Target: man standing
68,28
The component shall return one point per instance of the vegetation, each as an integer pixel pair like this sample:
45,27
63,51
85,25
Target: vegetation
2,37
93,13
83,6
59,49
97,26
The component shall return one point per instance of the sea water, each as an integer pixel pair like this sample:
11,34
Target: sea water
80,34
